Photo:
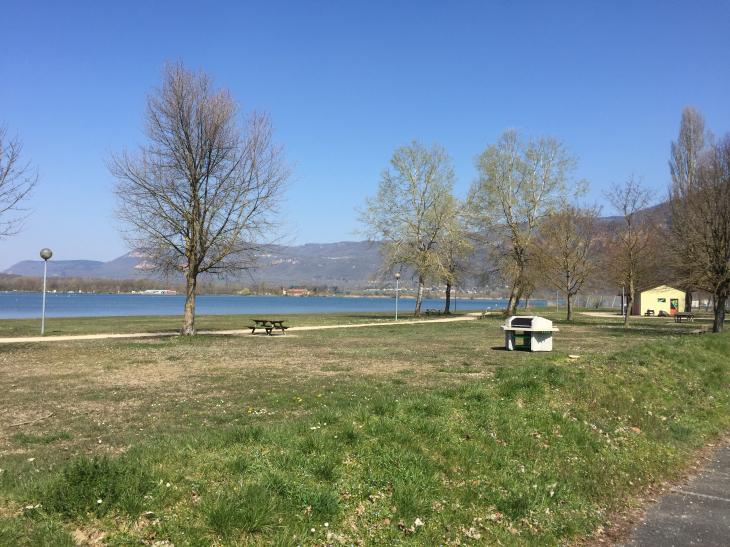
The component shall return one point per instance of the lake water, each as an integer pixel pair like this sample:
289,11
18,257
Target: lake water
28,305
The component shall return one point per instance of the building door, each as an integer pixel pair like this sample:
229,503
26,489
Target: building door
673,306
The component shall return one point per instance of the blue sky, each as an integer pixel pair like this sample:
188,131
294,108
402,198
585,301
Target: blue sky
347,82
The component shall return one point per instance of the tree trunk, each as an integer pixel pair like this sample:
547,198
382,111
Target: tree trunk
511,304
629,303
720,304
419,298
188,328
569,302
448,298
527,302
688,300
518,297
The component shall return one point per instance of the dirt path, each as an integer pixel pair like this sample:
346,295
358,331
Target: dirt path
239,332
602,314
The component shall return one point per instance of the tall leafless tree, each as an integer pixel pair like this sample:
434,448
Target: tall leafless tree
567,247
701,226
17,179
632,241
203,195
684,163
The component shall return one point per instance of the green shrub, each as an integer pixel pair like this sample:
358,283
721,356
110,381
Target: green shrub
324,502
41,439
325,468
98,486
252,509
27,533
410,499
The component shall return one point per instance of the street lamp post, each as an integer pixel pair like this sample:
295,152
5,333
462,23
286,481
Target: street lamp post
397,277
45,255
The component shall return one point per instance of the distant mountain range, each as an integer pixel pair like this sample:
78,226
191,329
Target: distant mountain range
347,263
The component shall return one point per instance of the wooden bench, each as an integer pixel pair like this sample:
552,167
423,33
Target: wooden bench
649,313
268,329
678,316
432,311
268,325
254,327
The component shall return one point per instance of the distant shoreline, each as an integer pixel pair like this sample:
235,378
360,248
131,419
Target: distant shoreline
400,296
17,305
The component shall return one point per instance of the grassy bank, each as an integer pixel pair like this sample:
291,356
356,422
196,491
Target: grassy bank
414,434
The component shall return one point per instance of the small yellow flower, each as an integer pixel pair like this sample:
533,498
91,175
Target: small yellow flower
319,395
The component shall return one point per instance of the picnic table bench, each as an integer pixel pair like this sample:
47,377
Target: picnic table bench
268,325
649,313
430,311
678,316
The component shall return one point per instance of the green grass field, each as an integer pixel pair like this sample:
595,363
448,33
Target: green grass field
65,326
415,434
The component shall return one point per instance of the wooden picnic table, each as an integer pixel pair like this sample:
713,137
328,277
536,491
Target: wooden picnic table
649,313
430,311
678,316
268,325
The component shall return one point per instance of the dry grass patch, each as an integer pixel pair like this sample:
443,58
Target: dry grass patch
440,389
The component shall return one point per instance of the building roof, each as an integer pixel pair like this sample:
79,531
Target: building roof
655,286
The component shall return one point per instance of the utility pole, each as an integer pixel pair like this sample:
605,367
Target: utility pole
45,255
397,278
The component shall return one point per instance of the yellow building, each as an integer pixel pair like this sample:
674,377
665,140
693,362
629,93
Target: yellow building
658,298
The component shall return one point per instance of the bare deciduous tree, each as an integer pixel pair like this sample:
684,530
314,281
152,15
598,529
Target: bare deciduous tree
456,250
17,179
413,212
631,243
701,226
519,184
566,249
203,195
684,163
